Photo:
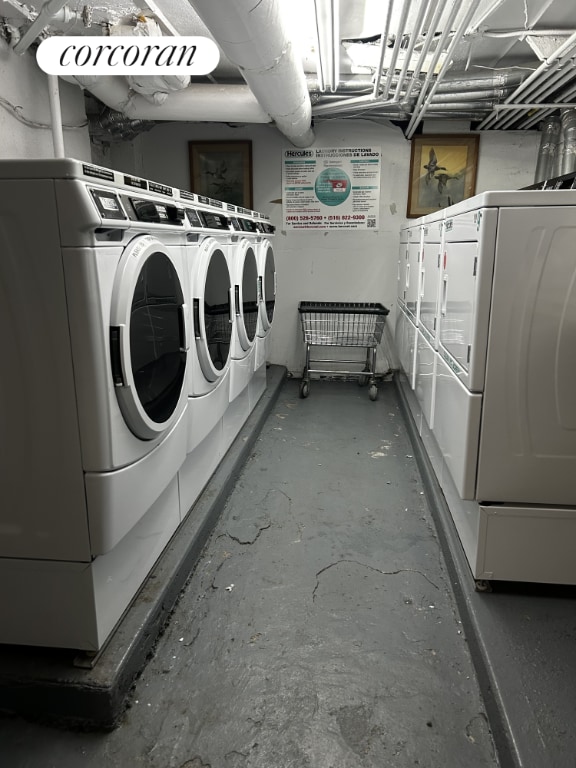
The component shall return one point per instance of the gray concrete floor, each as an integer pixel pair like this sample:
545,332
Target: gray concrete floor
320,627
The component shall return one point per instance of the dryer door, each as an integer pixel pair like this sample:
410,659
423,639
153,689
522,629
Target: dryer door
213,312
246,300
148,338
267,283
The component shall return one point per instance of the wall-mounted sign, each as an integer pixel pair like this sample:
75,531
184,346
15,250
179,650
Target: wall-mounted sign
331,188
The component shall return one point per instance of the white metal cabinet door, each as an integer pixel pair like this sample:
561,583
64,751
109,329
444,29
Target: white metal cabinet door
464,303
528,444
457,428
430,269
463,227
424,377
458,300
413,280
402,262
405,337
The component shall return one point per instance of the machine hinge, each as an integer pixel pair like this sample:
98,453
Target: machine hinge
435,323
475,266
469,353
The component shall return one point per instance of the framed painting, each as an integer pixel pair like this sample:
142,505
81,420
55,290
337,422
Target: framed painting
442,172
222,170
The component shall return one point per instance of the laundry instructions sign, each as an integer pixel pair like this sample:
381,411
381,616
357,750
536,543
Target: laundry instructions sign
331,188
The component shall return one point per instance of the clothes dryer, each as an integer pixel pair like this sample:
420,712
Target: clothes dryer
243,256
94,409
267,283
211,298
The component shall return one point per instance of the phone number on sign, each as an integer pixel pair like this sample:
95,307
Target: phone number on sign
303,218
353,217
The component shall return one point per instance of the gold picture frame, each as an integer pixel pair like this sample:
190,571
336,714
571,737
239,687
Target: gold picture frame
442,172
222,170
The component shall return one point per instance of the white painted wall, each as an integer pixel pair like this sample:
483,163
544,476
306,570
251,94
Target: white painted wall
328,266
24,85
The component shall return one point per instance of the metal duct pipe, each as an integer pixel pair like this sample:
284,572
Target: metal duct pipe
469,115
569,133
473,96
201,102
346,85
481,106
254,37
471,81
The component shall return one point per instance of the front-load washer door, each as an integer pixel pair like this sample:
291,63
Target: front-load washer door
267,284
246,301
213,313
148,338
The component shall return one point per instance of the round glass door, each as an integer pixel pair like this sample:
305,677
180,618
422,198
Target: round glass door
250,295
158,354
269,284
148,338
217,310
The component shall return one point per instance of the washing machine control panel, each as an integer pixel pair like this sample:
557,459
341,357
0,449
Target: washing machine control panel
213,220
153,211
248,225
194,217
108,204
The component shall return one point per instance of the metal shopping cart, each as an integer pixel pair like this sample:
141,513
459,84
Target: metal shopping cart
336,324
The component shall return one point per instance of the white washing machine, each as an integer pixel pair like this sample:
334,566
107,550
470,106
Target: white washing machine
93,411
212,312
243,257
267,284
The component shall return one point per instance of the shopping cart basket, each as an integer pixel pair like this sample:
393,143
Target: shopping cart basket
335,324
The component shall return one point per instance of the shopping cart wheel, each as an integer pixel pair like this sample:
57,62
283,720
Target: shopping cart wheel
373,392
304,389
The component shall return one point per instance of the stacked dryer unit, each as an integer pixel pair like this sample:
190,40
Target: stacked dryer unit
93,396
493,384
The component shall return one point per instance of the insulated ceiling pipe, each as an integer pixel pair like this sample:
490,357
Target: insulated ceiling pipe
198,102
254,37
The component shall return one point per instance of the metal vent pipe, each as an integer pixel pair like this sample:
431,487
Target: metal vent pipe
549,140
569,134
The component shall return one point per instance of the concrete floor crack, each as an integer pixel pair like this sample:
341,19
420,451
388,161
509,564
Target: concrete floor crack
371,568
244,542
